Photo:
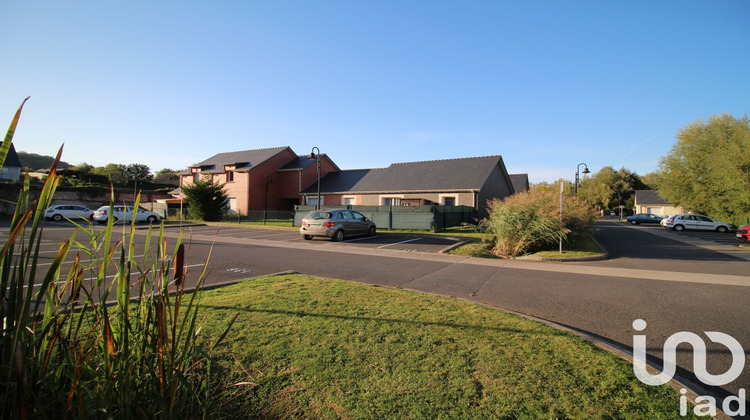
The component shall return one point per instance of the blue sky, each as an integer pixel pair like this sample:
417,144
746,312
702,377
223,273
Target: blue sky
545,84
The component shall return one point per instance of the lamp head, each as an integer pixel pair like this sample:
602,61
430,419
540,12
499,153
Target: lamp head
586,170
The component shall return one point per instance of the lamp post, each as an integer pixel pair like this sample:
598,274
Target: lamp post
316,157
585,171
269,180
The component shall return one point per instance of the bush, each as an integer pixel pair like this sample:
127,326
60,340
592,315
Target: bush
206,200
530,221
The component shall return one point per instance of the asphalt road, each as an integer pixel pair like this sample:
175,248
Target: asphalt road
675,286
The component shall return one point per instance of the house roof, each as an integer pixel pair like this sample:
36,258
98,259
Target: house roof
246,159
12,160
520,182
465,174
649,197
302,162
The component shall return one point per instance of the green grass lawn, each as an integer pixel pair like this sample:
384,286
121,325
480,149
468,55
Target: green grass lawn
305,347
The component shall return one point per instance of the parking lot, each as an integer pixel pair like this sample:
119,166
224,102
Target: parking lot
410,242
726,238
382,240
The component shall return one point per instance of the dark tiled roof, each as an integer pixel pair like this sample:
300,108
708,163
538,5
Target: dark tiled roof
12,160
300,162
649,197
244,159
436,175
520,182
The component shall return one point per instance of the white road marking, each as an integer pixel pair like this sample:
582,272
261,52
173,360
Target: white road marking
402,242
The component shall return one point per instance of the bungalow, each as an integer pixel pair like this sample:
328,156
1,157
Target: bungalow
260,179
650,202
467,181
11,170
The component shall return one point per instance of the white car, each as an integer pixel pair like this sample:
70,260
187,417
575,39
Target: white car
68,211
697,222
125,214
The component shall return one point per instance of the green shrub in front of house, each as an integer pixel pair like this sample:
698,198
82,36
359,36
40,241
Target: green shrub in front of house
530,222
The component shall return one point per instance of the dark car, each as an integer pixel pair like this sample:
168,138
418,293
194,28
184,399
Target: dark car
335,224
743,233
637,219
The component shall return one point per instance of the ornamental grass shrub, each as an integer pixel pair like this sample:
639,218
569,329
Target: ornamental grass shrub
530,222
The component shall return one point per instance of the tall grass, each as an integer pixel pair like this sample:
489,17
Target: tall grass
112,335
530,222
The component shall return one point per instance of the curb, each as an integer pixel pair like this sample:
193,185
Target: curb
603,256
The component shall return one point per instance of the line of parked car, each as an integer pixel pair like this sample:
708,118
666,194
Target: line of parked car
681,222
120,213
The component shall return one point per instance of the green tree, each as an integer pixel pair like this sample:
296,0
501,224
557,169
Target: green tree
652,180
138,172
708,169
206,200
114,171
555,186
165,171
609,189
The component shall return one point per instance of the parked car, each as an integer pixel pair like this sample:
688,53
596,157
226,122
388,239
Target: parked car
125,214
698,222
68,211
665,220
743,233
637,219
335,224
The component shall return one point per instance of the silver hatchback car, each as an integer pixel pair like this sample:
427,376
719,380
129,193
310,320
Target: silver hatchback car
335,224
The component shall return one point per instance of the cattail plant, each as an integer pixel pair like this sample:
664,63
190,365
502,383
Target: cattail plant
113,335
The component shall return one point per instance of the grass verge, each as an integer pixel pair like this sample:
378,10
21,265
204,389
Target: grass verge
305,347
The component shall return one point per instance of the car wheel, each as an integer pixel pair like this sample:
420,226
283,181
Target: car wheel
152,219
57,217
307,237
633,222
722,229
371,232
338,236
678,227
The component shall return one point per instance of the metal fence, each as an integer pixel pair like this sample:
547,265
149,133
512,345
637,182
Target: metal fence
433,217
270,216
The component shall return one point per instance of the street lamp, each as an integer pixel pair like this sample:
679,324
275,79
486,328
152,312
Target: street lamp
585,171
316,157
269,180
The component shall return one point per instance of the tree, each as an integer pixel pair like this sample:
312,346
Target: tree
206,200
165,171
114,171
608,189
555,186
708,169
138,172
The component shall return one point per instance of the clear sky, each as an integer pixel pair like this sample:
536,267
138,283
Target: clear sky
545,84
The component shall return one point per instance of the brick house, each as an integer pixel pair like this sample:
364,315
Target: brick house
262,178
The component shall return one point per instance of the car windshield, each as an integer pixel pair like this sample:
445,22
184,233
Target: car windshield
319,215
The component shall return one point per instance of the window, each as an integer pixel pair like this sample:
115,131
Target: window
313,201
230,176
391,201
349,200
448,200
232,203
